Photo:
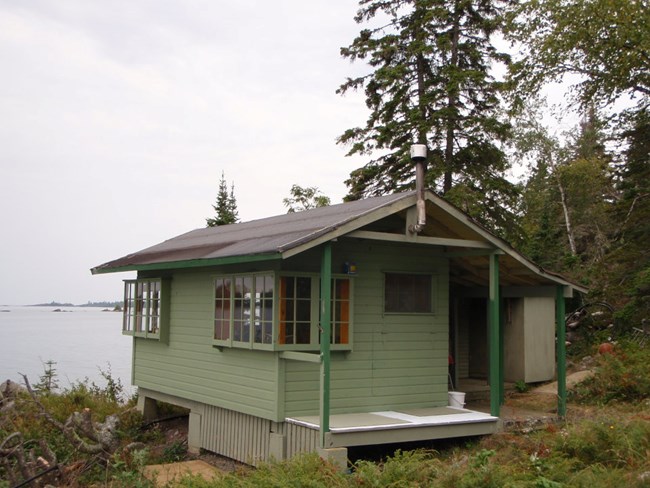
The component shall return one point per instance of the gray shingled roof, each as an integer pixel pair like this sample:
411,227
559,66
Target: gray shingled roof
271,235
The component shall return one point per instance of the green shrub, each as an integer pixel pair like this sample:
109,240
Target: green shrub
308,471
521,386
623,376
174,452
607,442
127,469
405,468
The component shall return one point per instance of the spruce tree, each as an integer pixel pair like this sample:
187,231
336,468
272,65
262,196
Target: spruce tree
431,84
226,206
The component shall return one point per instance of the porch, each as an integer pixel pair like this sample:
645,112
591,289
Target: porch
417,424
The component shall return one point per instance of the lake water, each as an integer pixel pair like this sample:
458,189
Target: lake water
79,339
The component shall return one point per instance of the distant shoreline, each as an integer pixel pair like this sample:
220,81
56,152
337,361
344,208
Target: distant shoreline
89,304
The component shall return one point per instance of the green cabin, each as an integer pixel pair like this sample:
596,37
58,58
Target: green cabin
338,326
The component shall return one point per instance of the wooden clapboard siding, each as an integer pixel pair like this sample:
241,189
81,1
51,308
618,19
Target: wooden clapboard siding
190,367
398,361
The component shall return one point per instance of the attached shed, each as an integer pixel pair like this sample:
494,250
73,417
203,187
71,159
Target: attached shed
334,327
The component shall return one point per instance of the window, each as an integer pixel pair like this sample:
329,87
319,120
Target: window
295,310
143,308
248,314
222,309
340,311
299,315
243,310
407,293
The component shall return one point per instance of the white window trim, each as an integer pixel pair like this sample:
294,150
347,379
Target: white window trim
315,312
230,342
163,315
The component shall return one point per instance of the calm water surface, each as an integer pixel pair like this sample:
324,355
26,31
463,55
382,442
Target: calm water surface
79,340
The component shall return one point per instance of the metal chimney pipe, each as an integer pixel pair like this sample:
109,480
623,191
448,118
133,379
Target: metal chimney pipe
419,157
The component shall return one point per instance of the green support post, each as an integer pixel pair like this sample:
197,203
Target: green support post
325,335
502,318
495,338
561,350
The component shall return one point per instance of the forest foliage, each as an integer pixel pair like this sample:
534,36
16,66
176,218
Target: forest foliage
580,204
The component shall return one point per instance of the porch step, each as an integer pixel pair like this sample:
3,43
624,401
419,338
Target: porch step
477,396
477,391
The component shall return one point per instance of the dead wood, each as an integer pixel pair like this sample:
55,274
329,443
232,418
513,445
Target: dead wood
21,463
89,437
33,461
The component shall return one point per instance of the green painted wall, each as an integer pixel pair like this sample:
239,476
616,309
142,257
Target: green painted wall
190,367
398,361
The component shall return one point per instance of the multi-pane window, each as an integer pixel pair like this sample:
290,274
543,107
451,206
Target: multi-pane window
340,311
243,307
247,311
263,298
407,293
299,312
222,294
142,306
295,310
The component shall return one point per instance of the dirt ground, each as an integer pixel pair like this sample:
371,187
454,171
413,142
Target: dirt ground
175,432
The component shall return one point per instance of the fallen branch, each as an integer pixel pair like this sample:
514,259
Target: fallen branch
103,435
20,462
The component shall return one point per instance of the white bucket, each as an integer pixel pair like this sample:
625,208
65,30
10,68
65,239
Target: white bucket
456,399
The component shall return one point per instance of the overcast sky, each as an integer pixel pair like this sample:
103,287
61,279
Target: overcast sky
119,117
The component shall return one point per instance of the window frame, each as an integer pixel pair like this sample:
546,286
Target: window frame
314,305
146,304
314,343
432,292
275,345
230,342
333,316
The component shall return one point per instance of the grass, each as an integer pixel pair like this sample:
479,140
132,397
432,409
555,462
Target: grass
603,442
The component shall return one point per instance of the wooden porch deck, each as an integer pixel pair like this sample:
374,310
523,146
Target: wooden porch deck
359,429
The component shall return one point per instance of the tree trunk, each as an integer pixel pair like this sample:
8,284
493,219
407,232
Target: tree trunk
452,102
422,133
567,217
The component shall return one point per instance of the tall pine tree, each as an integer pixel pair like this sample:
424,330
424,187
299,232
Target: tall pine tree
226,206
431,84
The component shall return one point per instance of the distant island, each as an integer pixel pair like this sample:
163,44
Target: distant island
113,305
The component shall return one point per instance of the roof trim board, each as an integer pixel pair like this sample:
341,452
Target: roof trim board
343,228
192,263
417,239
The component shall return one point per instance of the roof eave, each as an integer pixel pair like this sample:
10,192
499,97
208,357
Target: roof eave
191,263
502,244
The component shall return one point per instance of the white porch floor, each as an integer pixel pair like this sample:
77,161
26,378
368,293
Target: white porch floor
356,422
